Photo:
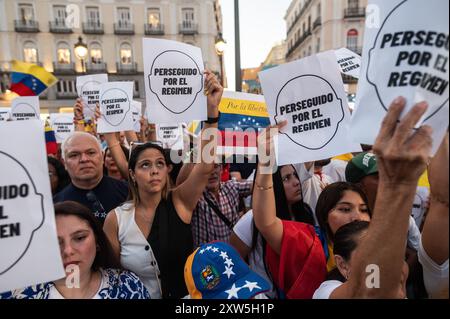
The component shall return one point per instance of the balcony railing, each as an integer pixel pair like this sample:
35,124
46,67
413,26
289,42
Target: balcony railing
354,13
66,95
347,79
188,28
93,27
59,27
317,23
64,68
299,41
124,28
96,67
26,26
126,68
154,29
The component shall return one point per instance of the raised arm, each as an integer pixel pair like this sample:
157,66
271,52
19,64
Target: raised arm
263,201
402,156
435,232
186,195
78,117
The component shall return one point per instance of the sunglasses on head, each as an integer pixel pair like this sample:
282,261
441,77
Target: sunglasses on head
134,145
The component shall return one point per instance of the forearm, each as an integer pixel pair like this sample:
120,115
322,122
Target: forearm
385,242
435,235
117,153
131,136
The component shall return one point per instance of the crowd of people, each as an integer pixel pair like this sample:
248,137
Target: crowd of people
140,226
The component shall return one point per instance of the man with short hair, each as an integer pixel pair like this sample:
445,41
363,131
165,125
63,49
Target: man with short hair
83,159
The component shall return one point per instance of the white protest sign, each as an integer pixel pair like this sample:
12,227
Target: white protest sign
171,136
174,79
5,114
25,108
349,62
88,88
29,247
309,94
137,113
62,124
406,56
115,106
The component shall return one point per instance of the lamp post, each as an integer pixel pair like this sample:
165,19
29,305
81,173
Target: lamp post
81,52
220,49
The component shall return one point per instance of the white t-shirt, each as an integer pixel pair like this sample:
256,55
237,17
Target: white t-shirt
326,289
414,234
244,230
435,276
335,170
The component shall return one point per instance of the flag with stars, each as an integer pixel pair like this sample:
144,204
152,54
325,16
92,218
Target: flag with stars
217,271
242,117
29,79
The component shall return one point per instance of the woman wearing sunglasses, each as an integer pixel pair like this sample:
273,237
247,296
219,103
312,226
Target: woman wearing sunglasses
151,233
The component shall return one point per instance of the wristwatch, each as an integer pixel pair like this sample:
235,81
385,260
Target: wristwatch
213,120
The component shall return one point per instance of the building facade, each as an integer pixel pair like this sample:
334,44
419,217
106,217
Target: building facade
320,25
45,32
250,79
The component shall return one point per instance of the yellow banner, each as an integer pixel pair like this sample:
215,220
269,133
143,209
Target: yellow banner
243,107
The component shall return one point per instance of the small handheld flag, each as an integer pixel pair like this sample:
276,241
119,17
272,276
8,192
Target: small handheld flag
29,79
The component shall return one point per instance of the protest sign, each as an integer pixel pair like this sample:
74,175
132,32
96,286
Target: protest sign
25,108
137,113
309,94
88,88
242,117
5,114
349,62
171,136
406,56
29,247
62,124
115,106
173,82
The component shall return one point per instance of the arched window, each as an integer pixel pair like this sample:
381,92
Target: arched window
63,53
352,39
30,52
126,54
96,53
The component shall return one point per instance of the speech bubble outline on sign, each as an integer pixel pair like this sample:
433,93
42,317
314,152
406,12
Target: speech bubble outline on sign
327,138
375,74
121,116
24,209
22,108
176,104
89,85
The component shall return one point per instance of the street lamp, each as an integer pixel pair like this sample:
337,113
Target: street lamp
220,49
81,52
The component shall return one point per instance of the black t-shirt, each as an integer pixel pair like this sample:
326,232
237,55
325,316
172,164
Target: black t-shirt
107,195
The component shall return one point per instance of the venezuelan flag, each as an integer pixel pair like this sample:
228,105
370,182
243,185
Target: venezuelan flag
50,141
242,117
29,79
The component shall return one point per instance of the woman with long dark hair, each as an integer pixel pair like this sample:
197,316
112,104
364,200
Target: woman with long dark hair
85,247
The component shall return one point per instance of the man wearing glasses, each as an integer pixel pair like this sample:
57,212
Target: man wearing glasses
83,159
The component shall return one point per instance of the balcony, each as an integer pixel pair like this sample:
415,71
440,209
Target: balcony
123,28
154,29
96,67
188,28
126,68
317,23
66,95
350,13
299,41
26,26
64,68
59,27
93,27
